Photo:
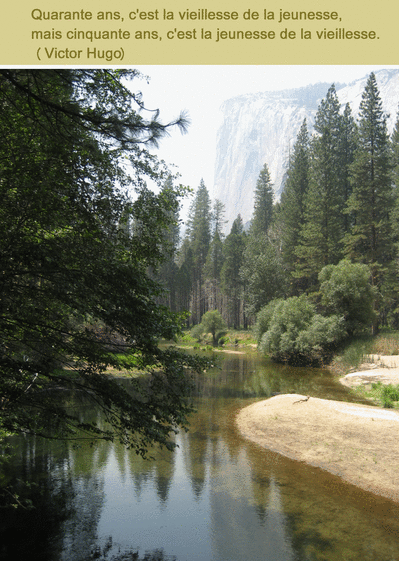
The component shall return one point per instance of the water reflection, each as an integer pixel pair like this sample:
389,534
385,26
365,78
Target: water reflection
216,498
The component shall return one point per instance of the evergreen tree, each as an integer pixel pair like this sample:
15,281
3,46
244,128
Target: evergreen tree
218,221
263,205
233,250
371,201
263,273
167,272
292,198
322,228
347,147
212,268
214,259
199,235
185,277
395,154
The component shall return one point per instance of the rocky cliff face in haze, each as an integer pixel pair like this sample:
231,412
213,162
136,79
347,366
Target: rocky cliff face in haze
262,128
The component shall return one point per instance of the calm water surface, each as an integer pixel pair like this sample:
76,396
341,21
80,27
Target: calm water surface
216,498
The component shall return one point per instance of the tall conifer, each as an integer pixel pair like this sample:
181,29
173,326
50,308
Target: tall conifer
199,232
263,205
292,198
322,228
371,202
233,250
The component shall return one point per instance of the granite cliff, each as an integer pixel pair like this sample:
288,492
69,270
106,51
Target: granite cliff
262,128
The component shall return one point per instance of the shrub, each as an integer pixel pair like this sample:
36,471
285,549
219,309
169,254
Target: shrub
387,394
197,332
212,322
297,334
346,291
263,319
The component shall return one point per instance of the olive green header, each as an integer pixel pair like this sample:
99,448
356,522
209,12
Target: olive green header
130,32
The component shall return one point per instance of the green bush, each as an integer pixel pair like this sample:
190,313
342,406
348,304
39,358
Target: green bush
386,394
346,291
297,334
212,322
197,332
263,319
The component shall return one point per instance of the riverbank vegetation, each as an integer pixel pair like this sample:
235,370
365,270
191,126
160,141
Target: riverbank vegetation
316,269
94,273
82,238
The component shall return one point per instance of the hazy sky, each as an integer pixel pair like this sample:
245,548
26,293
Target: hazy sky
200,90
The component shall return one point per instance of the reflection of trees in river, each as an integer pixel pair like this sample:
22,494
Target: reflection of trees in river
67,503
261,506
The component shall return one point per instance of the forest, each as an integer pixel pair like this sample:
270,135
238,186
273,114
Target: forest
328,248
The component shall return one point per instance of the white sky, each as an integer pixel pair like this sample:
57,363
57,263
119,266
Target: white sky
200,90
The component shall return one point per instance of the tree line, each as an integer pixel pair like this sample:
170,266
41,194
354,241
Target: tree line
340,202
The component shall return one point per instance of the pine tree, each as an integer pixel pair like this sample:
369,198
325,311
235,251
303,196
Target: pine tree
323,224
218,221
292,198
263,205
167,272
199,235
212,268
347,148
263,273
389,308
233,250
371,201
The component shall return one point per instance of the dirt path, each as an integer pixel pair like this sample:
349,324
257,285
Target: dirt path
359,443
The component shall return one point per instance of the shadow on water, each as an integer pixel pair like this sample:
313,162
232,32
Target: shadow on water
218,497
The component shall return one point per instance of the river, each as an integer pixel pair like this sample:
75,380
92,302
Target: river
217,497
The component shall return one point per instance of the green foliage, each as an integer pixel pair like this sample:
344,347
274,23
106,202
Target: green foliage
371,200
75,252
323,225
264,317
293,196
231,281
198,239
297,334
263,272
199,225
263,205
197,331
387,395
346,291
292,330
352,353
340,200
212,322
214,259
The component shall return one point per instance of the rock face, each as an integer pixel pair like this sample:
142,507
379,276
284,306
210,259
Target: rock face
262,128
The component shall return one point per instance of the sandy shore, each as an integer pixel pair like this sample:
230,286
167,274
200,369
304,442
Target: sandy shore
380,368
356,442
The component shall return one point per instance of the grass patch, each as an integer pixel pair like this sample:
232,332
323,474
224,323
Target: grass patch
385,395
352,354
356,351
386,344
239,338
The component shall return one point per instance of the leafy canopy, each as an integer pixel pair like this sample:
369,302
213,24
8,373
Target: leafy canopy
80,232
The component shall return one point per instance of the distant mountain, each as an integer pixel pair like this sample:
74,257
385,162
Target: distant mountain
262,128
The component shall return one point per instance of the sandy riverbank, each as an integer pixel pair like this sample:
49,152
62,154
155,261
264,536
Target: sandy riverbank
356,442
